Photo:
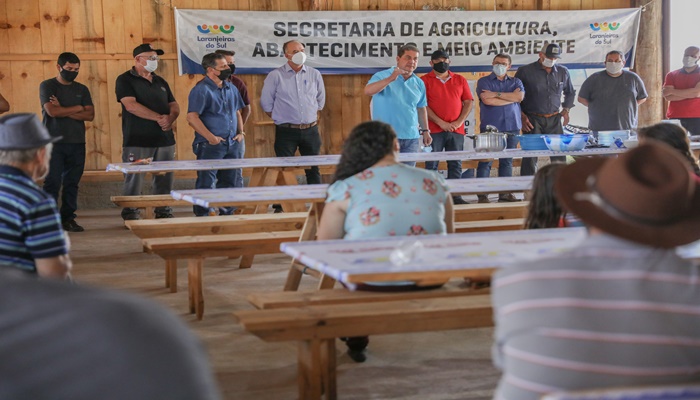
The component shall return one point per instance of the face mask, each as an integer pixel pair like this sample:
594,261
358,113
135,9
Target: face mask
548,62
68,75
613,68
689,62
499,69
151,65
233,68
224,74
441,67
299,58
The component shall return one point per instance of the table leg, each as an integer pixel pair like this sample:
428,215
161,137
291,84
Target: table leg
194,270
316,363
171,275
308,232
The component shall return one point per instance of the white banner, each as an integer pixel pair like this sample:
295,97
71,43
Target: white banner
363,42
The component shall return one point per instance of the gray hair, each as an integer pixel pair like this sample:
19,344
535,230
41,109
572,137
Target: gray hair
12,157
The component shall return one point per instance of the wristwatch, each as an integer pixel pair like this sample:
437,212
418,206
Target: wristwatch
424,130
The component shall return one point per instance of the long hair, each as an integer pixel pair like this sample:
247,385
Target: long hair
674,136
368,143
544,210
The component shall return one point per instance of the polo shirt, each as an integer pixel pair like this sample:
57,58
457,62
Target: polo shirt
505,118
686,108
74,94
396,104
242,88
216,107
30,225
154,95
612,100
445,98
544,90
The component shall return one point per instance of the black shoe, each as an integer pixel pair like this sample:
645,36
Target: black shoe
358,356
72,226
277,208
164,215
459,200
507,198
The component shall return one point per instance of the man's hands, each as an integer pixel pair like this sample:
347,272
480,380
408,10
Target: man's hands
527,125
239,137
565,115
164,122
215,140
54,101
427,139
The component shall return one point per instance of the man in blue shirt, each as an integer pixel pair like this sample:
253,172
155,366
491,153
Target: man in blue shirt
398,98
500,97
214,113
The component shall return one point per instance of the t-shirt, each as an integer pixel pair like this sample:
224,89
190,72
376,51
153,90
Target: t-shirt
242,88
686,108
75,94
156,96
396,104
67,341
30,225
393,200
612,100
445,98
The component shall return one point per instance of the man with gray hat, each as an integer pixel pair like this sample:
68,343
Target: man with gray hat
545,82
32,238
149,110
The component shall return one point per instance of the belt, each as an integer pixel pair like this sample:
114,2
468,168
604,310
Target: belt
544,115
298,126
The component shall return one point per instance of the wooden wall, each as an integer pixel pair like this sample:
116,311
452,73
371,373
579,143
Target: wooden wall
104,32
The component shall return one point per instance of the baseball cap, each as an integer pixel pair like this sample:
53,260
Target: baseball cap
552,50
144,48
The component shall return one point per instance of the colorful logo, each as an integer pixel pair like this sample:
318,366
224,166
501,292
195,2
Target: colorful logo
215,29
605,26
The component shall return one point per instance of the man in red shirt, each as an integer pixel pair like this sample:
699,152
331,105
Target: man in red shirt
449,103
682,91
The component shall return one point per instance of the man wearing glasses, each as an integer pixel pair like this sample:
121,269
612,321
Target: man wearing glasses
148,111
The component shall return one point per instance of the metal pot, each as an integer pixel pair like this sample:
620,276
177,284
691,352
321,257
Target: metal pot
489,142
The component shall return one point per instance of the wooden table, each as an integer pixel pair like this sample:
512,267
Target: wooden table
441,257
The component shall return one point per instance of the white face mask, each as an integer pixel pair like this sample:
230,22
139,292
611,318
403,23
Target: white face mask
299,58
151,65
549,63
499,69
613,68
689,62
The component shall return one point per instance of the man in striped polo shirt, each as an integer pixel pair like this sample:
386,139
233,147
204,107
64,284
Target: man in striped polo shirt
31,236
622,308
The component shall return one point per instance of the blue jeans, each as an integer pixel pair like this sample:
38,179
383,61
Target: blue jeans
409,146
447,141
219,179
65,169
505,165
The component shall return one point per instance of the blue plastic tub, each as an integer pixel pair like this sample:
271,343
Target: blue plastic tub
532,142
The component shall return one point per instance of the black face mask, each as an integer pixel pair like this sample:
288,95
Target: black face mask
225,74
233,68
441,67
68,75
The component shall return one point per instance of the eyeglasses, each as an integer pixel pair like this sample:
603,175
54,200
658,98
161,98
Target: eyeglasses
152,58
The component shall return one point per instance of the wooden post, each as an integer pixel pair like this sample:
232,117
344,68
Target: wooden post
648,61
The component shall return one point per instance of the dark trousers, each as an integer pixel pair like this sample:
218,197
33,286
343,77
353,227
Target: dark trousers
65,169
308,141
447,141
542,126
224,178
692,125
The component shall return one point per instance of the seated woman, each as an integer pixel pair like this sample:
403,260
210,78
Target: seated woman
373,195
674,136
544,210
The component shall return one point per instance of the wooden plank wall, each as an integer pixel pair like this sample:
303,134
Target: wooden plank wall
104,32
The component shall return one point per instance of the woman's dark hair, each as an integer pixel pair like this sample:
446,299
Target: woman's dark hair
544,210
368,143
674,136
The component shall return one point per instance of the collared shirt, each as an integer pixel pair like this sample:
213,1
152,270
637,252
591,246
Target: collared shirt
30,225
686,108
396,104
544,90
506,118
612,100
609,313
293,97
74,94
445,98
216,107
154,95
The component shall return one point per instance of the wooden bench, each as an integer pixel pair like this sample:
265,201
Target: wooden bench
315,324
195,249
490,211
148,202
467,164
510,224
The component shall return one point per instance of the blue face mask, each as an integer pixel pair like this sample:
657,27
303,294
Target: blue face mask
499,69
